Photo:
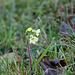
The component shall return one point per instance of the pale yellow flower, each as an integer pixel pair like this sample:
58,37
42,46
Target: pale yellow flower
29,29
37,32
33,40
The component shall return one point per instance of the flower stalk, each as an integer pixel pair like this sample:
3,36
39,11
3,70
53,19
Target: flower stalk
29,57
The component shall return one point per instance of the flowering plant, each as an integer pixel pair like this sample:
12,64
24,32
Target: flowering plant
32,39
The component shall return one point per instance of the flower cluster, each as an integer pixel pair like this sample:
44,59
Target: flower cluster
33,38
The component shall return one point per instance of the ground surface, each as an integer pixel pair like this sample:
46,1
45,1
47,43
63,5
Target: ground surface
55,18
